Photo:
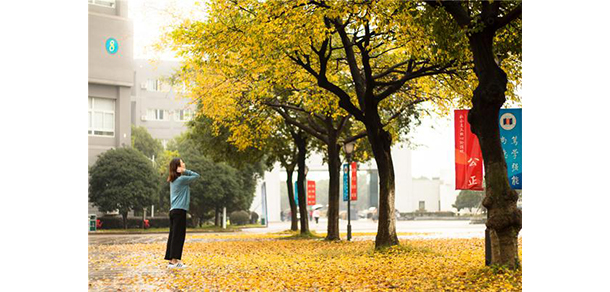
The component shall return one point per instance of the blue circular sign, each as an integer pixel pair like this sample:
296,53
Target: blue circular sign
112,46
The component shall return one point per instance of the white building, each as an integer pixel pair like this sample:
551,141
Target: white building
317,170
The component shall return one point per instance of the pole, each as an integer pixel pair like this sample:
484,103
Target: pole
349,199
152,211
224,217
264,207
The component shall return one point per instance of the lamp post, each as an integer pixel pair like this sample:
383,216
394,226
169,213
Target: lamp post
348,148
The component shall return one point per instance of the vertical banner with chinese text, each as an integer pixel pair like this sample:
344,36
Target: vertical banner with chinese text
296,193
345,181
311,193
510,136
468,156
354,193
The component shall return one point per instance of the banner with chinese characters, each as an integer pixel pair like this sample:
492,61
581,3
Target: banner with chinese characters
468,156
311,193
345,182
510,136
296,193
354,193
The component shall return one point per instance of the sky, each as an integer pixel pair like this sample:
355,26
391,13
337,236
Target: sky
434,136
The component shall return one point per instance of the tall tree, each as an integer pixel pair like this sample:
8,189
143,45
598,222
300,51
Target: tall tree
468,199
382,68
493,32
249,41
122,179
283,149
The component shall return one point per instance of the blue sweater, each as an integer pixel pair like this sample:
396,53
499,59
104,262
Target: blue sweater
180,193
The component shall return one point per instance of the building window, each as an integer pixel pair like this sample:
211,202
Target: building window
101,116
157,115
106,3
157,85
183,115
152,85
422,205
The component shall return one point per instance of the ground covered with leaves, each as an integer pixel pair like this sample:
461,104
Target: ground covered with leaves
280,262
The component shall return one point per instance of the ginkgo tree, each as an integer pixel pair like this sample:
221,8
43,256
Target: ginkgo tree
491,32
229,87
370,59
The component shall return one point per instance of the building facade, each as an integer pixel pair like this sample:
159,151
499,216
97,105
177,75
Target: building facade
110,78
318,170
157,105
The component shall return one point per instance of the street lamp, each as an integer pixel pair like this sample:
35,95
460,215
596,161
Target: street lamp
348,148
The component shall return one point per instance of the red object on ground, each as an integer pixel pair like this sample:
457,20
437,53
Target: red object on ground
98,223
146,225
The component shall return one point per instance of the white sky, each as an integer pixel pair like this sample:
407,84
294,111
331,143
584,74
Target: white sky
434,137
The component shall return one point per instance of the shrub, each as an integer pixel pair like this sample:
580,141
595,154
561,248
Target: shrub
116,222
253,217
239,217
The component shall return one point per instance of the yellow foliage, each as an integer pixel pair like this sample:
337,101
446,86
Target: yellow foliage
269,263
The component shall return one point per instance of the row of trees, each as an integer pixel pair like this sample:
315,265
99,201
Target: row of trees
127,179
332,72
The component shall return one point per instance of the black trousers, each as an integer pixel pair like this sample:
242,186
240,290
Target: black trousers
177,232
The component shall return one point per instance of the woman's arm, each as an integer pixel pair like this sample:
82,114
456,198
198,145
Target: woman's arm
188,176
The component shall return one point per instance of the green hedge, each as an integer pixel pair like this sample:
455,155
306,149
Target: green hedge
427,214
239,217
116,222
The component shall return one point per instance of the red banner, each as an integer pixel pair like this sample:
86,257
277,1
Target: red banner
468,156
354,193
311,193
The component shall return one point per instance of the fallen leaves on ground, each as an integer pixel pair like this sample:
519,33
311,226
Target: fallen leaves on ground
265,262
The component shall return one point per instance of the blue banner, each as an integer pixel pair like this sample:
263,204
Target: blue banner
510,137
296,193
345,182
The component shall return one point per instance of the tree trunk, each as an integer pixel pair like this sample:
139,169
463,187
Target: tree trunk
503,217
124,220
381,142
301,142
294,225
334,170
216,217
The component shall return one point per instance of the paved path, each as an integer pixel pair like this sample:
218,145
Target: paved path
415,228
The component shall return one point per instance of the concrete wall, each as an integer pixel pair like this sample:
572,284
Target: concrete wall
401,156
110,75
144,99
105,68
273,202
427,190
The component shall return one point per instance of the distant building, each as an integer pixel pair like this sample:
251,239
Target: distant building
110,78
157,105
426,195
276,179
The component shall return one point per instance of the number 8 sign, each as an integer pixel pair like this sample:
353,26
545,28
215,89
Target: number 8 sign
112,46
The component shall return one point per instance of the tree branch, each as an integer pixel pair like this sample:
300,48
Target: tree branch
456,10
300,125
512,15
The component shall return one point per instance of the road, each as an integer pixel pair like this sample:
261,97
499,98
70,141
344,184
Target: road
405,230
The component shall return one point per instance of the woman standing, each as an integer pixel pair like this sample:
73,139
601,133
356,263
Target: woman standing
180,196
